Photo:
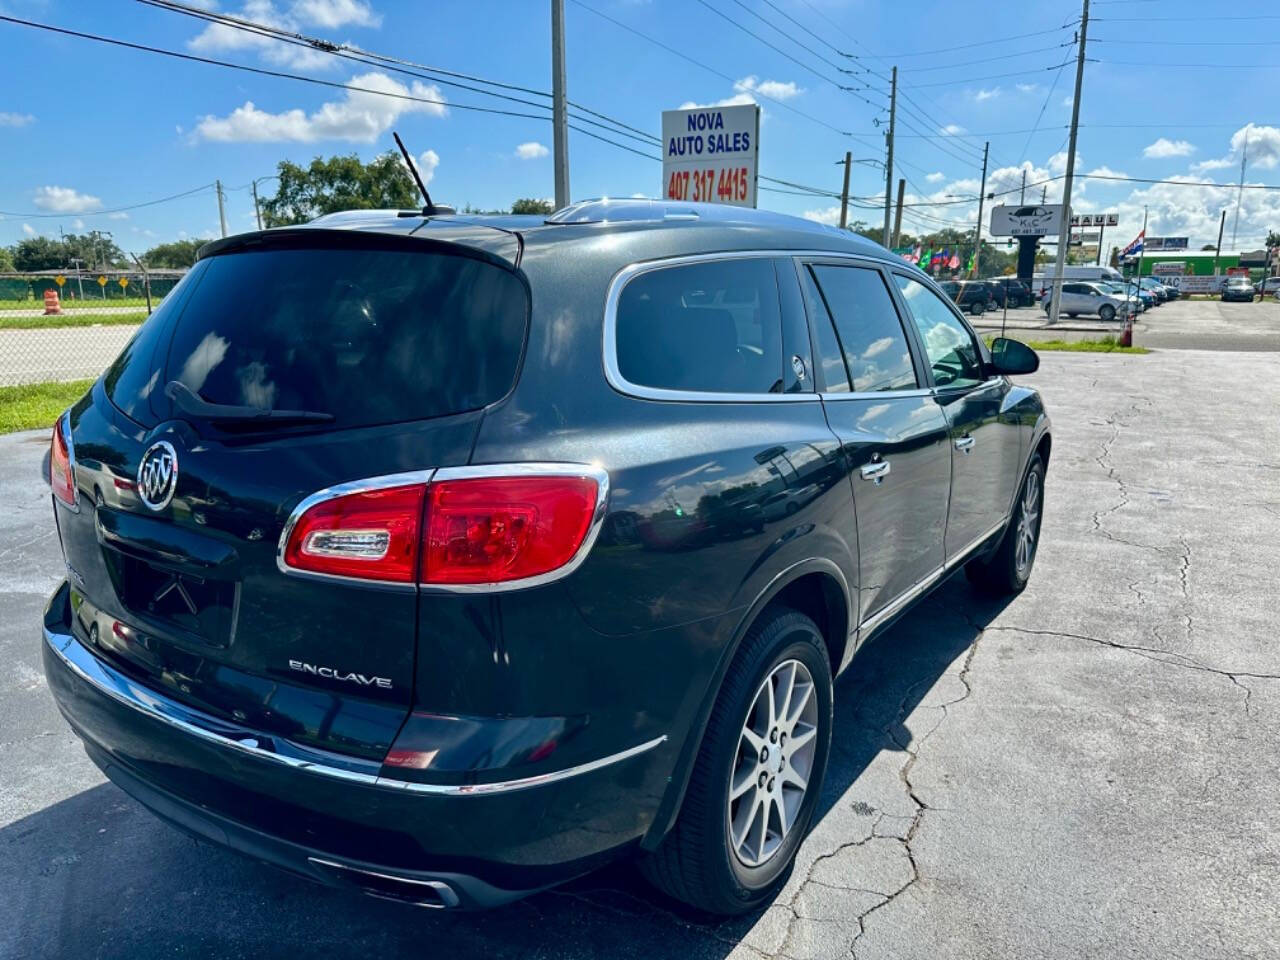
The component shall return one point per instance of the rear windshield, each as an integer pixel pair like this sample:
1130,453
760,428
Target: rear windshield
369,336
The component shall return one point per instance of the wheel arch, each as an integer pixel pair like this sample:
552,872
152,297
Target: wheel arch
816,587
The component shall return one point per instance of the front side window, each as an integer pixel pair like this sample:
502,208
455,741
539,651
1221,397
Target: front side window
710,327
953,353
871,335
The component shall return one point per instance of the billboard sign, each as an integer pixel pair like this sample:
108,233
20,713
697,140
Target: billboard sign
1085,236
1169,268
1166,243
709,154
1095,220
1035,220
1191,284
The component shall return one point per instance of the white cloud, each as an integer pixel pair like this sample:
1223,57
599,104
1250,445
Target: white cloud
986,94
326,14
1058,162
1264,145
16,119
830,215
776,89
1028,87
64,200
1068,100
336,13
117,216
29,230
1105,171
426,164
1217,163
360,116
531,150
935,177
951,130
1165,147
77,223
733,101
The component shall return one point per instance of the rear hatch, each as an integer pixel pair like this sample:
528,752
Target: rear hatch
284,364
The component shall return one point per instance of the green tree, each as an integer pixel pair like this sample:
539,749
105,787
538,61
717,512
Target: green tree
339,183
6,260
47,253
180,253
1273,239
531,205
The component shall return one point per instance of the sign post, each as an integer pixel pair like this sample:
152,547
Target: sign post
102,284
709,154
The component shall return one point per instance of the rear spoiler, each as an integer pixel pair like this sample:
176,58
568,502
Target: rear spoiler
498,246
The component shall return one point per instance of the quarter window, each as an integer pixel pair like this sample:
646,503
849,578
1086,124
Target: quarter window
870,334
952,351
710,327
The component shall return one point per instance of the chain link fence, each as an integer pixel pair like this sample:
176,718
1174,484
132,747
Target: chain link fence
69,325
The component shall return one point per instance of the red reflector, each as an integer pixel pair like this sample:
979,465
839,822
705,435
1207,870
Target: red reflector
61,473
373,535
497,529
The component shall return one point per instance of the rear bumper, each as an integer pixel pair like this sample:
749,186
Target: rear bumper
337,820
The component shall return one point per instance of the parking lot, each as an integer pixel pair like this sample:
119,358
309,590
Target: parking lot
1090,770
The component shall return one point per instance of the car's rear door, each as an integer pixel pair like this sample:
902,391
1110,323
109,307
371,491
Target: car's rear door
985,437
391,348
893,434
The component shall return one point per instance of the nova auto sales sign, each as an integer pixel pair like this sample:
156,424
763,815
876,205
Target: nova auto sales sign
709,154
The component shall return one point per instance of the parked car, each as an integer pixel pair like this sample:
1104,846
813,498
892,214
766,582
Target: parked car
1162,293
1270,286
1092,299
1016,292
1238,288
447,558
974,296
1144,299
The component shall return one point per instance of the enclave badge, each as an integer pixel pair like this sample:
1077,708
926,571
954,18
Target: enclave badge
158,475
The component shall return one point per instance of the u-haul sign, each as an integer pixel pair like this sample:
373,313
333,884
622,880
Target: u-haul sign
709,154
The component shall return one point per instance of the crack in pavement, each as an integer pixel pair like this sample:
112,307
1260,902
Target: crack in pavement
905,774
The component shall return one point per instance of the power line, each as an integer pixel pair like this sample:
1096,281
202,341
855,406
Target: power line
1182,63
1007,56
1186,43
978,43
821,39
990,76
98,213
1040,116
723,76
802,46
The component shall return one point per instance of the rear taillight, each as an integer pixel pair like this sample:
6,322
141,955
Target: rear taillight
469,527
62,474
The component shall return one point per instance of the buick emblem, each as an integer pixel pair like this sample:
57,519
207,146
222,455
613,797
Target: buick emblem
158,475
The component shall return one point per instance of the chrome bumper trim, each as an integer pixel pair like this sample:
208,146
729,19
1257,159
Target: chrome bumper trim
111,683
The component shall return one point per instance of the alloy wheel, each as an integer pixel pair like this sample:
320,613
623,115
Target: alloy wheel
773,764
1028,516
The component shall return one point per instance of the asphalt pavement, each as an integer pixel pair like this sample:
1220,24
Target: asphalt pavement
1089,770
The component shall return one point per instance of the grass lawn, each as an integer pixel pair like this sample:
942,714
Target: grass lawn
37,404
1107,344
76,319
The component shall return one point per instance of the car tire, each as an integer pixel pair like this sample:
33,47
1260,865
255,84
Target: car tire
1008,569
1107,312
698,862
976,309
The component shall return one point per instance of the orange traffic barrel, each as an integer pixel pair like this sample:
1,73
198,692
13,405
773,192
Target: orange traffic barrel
51,305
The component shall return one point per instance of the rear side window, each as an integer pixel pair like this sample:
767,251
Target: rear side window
867,325
369,336
711,327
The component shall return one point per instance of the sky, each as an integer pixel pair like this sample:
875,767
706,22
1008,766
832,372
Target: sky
1170,91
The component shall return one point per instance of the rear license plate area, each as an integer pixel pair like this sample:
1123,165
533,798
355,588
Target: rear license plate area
192,606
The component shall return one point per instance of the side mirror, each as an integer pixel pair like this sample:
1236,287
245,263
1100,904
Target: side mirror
1012,357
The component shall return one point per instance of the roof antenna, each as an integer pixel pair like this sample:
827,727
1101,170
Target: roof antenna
430,209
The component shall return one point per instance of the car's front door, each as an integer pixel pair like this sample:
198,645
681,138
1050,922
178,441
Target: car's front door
892,432
985,437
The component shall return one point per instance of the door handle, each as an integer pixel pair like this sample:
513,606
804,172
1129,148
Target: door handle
964,443
875,471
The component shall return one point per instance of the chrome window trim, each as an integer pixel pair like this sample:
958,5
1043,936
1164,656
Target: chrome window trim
879,394
920,587
628,273
427,477
341,490
81,661
531,469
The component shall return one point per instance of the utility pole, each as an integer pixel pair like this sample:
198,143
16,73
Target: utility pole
844,194
982,195
222,210
256,211
1064,229
897,217
1022,197
559,105
1244,156
1044,195
1217,251
888,166
1102,230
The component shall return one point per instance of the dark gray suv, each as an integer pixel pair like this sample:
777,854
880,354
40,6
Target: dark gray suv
447,558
